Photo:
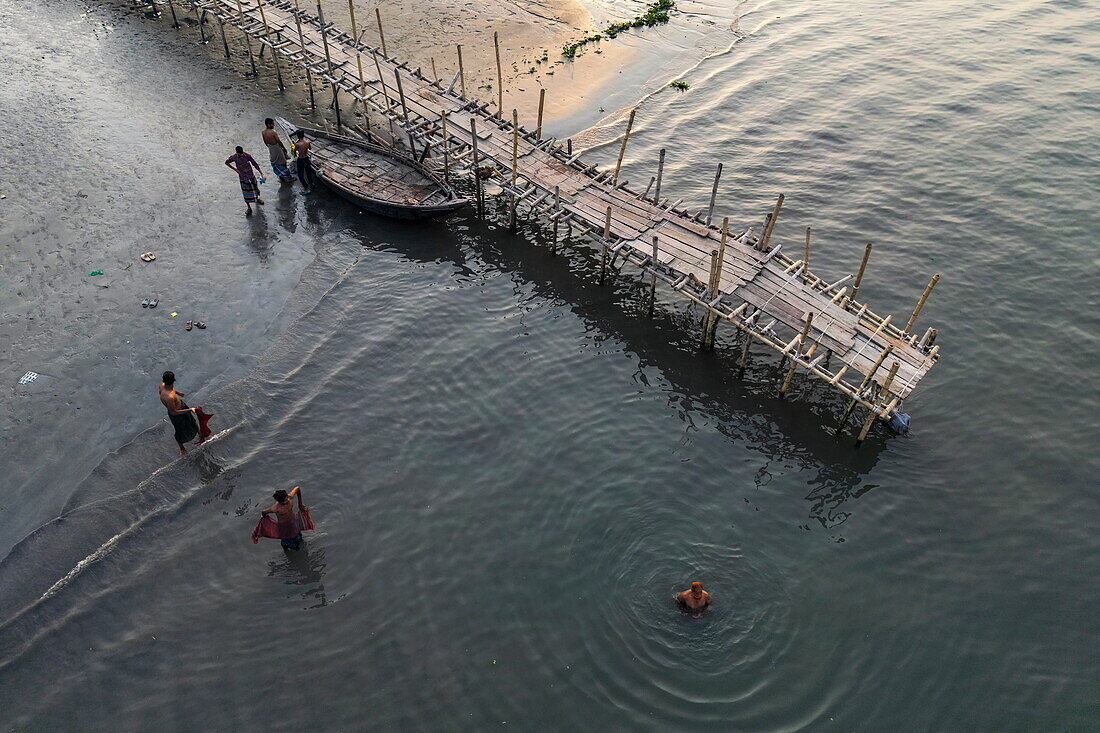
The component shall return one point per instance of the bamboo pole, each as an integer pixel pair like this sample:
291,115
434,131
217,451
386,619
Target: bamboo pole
718,258
653,277
202,29
328,60
794,357
557,209
714,193
660,173
225,39
859,275
920,303
500,77
175,21
622,148
515,169
477,177
767,235
302,45
358,56
247,38
461,71
606,240
806,258
446,150
872,415
274,53
405,112
381,33
542,103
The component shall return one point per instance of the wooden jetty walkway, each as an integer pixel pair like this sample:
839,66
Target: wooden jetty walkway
740,277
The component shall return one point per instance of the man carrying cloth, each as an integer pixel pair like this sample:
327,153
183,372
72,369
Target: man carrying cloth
188,422
276,152
287,526
244,164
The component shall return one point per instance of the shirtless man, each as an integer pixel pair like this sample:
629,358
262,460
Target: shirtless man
304,165
277,152
283,509
182,417
695,598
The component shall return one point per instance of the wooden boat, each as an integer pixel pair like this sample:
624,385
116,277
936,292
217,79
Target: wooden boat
379,179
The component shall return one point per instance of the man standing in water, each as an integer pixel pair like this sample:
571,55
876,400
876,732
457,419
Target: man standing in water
289,524
244,165
304,165
694,598
182,417
276,151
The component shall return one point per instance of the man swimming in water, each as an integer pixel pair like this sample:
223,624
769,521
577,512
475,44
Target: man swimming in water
290,532
182,417
694,598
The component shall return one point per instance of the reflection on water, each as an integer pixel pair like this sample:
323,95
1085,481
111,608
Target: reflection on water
304,569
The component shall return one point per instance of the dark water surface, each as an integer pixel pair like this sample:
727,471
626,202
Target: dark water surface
513,469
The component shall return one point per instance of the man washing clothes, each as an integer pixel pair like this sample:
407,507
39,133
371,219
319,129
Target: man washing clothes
287,525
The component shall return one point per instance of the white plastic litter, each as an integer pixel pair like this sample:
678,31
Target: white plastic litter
28,378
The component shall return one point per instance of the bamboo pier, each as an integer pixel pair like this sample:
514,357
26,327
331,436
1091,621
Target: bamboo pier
737,276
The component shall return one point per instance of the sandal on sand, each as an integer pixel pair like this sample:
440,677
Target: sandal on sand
153,303
148,257
145,303
200,324
190,324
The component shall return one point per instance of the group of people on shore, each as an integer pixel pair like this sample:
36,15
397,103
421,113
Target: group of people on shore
285,164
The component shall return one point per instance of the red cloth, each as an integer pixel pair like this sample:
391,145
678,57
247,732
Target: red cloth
268,527
204,431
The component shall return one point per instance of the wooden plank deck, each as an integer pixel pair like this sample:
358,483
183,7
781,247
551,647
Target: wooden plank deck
775,287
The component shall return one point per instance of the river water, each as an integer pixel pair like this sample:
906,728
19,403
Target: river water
514,468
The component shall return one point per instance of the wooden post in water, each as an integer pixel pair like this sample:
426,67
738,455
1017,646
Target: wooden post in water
381,33
542,103
557,210
801,348
461,72
225,39
806,257
714,195
274,53
477,176
871,417
247,38
653,277
606,242
767,235
660,173
331,71
622,148
859,275
718,257
920,304
358,58
515,169
500,77
446,149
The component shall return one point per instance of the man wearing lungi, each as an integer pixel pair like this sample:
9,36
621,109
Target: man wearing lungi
276,152
246,168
